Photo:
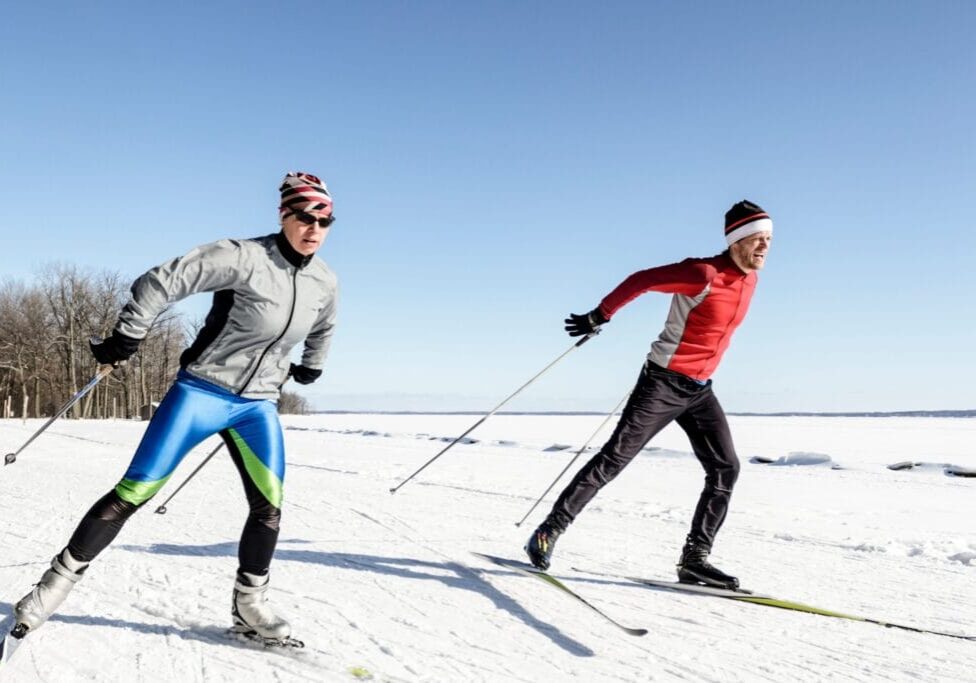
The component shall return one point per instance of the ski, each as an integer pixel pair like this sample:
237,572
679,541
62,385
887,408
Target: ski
529,570
676,585
13,636
741,595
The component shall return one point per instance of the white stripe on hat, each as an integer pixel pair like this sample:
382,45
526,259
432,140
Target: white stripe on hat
761,225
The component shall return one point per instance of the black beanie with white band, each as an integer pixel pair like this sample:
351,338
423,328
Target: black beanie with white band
744,219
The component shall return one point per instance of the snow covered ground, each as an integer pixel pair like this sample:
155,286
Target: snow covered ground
383,587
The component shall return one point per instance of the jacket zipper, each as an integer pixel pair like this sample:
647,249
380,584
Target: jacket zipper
291,314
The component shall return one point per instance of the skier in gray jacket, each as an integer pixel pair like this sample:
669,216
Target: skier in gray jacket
270,293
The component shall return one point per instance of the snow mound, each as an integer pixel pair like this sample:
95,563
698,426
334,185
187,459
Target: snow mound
946,468
957,471
796,458
966,558
941,551
467,441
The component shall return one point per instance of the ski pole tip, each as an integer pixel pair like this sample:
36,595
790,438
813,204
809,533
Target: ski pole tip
161,510
9,458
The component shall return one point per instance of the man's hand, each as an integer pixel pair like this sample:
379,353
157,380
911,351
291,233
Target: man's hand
588,323
303,375
114,350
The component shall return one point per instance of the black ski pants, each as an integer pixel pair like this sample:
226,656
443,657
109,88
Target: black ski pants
659,397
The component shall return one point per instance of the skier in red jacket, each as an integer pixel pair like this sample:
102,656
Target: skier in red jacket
711,297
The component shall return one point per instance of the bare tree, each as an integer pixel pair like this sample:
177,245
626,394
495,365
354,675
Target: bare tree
291,403
45,329
23,328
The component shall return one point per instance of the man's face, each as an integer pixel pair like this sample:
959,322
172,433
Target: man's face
305,237
749,253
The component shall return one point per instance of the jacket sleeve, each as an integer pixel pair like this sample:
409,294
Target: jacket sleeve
320,336
689,277
207,268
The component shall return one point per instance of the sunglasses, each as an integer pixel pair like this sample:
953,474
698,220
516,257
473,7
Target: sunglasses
309,219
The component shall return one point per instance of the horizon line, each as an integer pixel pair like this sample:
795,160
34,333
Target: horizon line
798,413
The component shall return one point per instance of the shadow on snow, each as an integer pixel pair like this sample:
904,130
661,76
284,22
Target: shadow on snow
451,574
205,633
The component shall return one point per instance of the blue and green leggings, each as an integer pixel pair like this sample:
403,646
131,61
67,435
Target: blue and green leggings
191,411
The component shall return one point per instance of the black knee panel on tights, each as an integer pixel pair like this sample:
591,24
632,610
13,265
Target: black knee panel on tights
265,513
100,526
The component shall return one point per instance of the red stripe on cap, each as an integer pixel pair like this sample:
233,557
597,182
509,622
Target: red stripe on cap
747,219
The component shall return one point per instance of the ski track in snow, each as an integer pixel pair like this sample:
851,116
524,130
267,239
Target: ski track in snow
383,587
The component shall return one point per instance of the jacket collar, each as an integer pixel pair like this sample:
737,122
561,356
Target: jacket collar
292,256
735,266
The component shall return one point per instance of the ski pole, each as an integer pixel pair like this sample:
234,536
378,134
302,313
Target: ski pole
161,510
570,463
495,409
103,372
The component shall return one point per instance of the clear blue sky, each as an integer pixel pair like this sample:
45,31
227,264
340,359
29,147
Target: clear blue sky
498,165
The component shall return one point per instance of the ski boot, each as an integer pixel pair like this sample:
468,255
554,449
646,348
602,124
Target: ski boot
253,617
693,567
541,543
48,594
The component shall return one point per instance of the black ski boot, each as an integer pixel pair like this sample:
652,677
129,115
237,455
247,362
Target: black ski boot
693,567
540,545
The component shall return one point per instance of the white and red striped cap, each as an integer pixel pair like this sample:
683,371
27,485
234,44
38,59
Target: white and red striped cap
304,192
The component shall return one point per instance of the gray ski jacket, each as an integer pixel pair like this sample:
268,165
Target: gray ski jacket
267,298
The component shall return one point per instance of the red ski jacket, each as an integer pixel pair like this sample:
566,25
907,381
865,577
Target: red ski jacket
711,297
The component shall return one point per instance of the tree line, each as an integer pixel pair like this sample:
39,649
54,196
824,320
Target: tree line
45,327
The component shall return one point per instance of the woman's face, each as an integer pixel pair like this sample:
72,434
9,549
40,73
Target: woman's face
304,230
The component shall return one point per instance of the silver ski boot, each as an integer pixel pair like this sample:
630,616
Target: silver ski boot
48,594
252,613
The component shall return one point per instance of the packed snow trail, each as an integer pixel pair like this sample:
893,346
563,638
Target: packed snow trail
384,586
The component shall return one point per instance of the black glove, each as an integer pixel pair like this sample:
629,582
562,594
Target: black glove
588,323
303,375
116,349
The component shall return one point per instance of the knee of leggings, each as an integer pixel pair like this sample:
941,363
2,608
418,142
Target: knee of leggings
112,508
267,515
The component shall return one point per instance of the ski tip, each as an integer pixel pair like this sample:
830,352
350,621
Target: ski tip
8,644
